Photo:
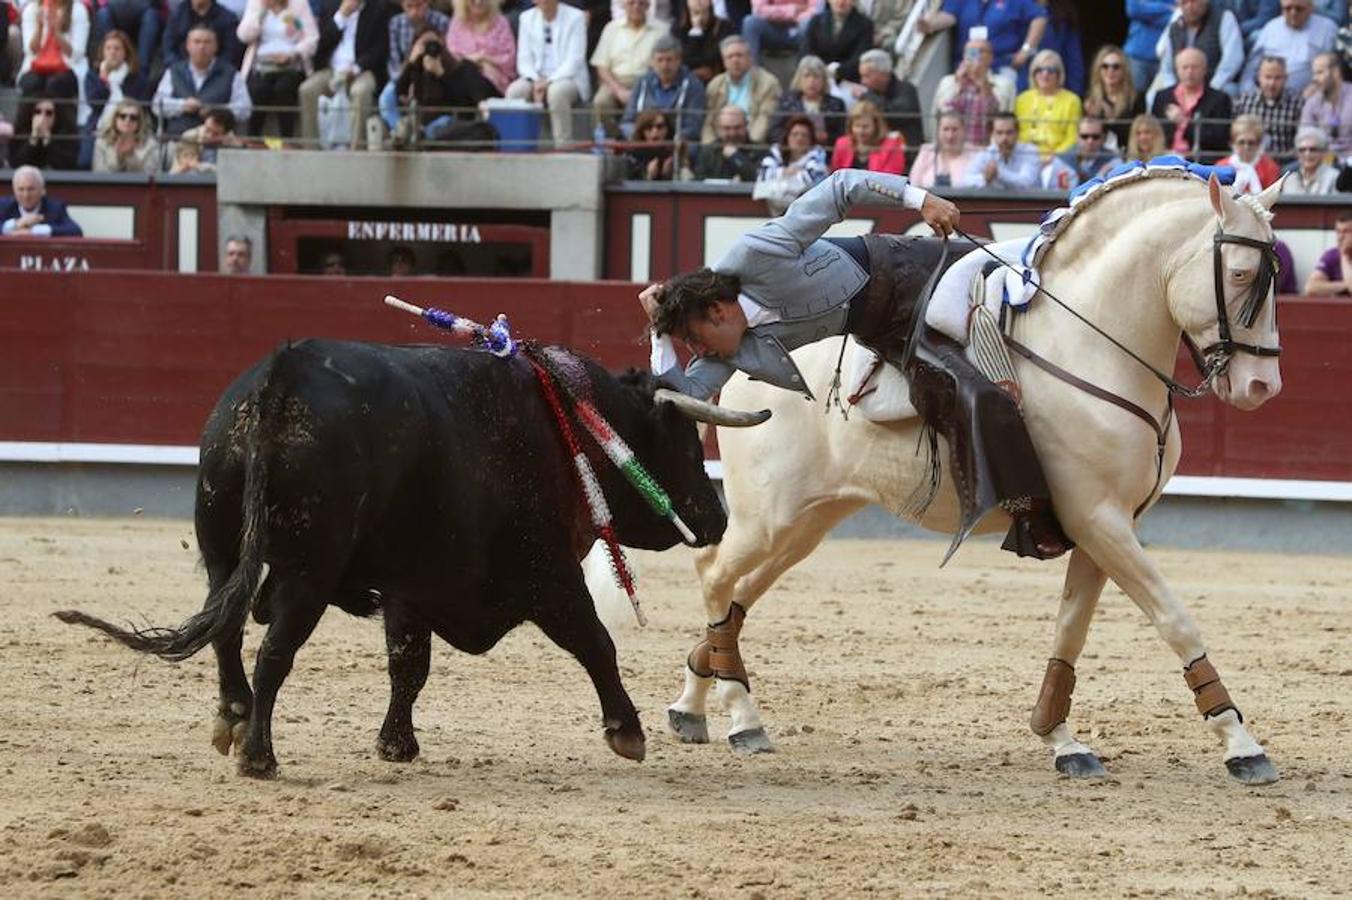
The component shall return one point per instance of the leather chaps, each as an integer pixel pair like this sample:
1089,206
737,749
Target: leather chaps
991,458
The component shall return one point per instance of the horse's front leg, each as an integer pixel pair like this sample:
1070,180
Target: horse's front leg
1114,546
1079,599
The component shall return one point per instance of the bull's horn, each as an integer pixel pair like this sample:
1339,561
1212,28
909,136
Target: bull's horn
703,411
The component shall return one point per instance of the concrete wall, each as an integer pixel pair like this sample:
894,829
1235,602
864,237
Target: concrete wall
569,186
1286,526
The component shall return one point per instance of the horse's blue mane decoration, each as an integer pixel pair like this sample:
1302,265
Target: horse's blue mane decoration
1055,222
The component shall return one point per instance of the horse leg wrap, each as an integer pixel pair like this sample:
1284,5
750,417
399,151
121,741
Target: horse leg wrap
1210,695
718,653
1053,700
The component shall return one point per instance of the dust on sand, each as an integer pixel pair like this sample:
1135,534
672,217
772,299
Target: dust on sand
898,695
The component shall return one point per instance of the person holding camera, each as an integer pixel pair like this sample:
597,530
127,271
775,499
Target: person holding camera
433,85
974,91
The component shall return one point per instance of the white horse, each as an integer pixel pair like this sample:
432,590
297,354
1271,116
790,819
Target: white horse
1141,264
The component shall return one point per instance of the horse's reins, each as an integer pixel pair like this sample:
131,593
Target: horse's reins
1211,362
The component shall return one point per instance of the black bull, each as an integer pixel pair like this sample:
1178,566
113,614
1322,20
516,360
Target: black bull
429,484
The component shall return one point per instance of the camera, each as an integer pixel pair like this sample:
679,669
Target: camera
432,48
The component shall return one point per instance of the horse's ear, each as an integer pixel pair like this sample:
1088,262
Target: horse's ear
1273,192
1220,200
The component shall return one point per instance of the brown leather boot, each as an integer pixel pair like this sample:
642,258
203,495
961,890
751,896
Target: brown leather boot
1035,531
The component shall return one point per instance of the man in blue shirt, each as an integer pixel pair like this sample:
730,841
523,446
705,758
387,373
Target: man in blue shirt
1005,164
669,86
1014,28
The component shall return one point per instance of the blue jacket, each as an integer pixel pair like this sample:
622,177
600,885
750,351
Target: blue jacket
1148,18
53,212
684,101
1065,41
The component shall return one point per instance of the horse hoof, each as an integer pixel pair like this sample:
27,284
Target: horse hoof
753,740
1252,769
688,727
398,749
629,745
1080,765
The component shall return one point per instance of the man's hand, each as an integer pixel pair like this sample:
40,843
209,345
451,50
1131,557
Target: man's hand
348,7
650,298
26,222
192,105
623,93
1173,112
992,169
540,90
940,214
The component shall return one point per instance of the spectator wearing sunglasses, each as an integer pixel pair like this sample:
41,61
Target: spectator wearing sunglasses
125,143
1254,169
49,139
1113,94
1310,173
551,63
1048,112
1087,160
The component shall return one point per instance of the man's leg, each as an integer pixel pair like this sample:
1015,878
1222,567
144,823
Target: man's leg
148,35
608,108
311,89
362,93
389,105
560,99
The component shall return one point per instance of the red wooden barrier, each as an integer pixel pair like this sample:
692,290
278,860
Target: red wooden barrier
139,358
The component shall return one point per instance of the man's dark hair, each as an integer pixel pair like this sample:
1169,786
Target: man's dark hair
1344,216
222,116
691,296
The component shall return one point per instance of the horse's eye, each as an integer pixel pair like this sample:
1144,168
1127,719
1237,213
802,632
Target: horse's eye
1241,275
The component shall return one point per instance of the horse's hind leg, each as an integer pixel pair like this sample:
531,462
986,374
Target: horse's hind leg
1079,599
1114,545
731,586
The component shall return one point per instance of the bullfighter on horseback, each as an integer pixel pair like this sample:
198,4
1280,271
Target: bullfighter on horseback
783,285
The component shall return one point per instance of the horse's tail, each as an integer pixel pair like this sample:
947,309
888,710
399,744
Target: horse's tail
227,606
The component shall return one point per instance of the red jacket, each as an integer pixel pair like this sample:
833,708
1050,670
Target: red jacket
889,157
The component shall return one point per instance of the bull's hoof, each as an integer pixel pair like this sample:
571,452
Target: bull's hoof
264,768
1252,769
753,740
1080,765
631,745
397,748
228,727
688,727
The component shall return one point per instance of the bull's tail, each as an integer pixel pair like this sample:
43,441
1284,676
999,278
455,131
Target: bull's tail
227,606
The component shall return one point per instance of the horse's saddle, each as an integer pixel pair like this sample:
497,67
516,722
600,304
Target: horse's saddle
966,307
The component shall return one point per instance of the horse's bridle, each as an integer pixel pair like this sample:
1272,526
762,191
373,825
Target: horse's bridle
1214,359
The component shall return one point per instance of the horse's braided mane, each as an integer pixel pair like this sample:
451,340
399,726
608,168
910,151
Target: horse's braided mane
1138,175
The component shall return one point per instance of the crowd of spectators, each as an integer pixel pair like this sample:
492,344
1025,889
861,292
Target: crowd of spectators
686,88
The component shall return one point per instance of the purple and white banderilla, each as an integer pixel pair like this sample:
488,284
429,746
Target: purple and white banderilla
496,338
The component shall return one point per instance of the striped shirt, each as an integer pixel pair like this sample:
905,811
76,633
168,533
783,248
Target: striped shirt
402,32
1280,118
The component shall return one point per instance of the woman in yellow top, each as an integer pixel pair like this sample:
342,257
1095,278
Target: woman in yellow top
1048,113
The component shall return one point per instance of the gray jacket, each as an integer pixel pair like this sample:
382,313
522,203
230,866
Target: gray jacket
803,281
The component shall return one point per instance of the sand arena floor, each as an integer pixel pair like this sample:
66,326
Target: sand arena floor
897,694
